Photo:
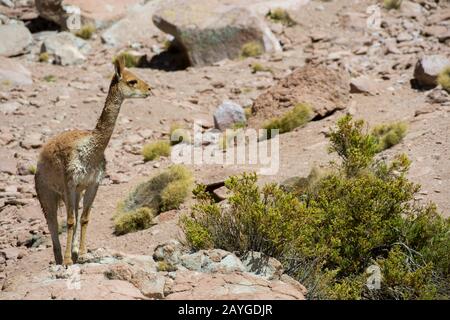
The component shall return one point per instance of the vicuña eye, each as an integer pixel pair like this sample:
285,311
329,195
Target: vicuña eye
132,82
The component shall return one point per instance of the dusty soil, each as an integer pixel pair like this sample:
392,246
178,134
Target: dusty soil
75,100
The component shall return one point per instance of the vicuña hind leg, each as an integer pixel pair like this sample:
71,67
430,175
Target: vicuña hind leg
49,202
88,199
71,200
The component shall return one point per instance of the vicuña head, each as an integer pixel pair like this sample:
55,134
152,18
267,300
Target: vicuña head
72,164
129,85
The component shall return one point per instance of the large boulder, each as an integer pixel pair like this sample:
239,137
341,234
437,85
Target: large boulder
323,88
101,13
428,68
228,114
136,27
209,31
14,73
65,49
15,39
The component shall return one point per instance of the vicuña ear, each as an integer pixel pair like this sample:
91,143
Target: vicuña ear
119,66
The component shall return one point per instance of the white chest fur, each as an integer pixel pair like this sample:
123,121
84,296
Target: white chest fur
85,166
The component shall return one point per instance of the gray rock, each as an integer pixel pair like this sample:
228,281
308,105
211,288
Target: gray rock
169,252
135,27
262,265
153,287
363,84
210,31
65,48
9,107
229,114
31,141
13,72
67,13
428,68
15,39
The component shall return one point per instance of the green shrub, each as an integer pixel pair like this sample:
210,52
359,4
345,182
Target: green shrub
356,148
282,16
295,118
156,149
444,79
165,266
337,224
252,49
32,169
258,67
44,57
131,221
248,112
130,58
178,134
388,135
392,4
50,78
86,31
164,191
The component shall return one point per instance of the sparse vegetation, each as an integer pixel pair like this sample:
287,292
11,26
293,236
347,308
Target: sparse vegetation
165,266
32,169
130,59
258,67
155,150
337,225
444,79
179,134
44,57
388,135
132,221
294,118
392,4
86,32
165,191
251,49
248,112
50,78
282,16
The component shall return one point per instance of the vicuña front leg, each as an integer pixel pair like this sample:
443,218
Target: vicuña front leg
88,199
70,228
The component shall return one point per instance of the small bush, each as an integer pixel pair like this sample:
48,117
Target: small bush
131,221
130,59
86,31
32,169
388,135
50,78
444,79
251,49
338,224
165,266
392,4
257,67
355,147
156,149
248,112
44,57
282,16
178,134
295,118
165,191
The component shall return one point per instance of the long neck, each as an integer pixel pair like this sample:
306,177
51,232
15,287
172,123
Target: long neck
105,124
